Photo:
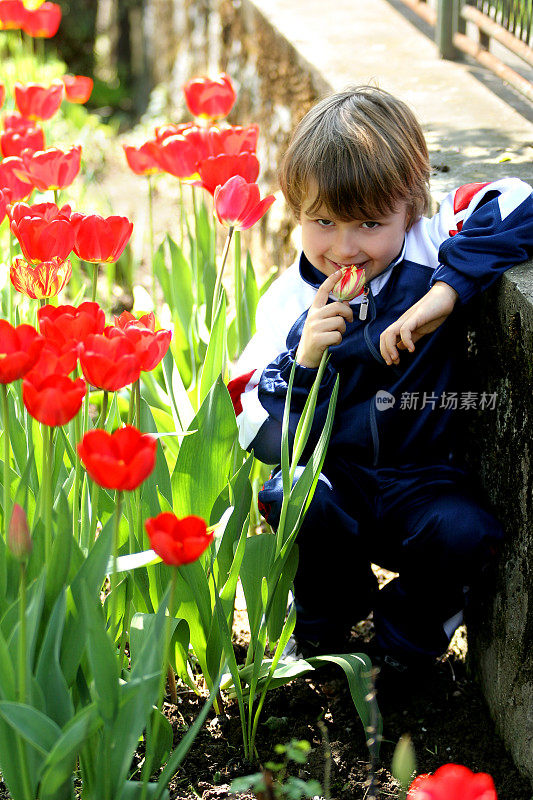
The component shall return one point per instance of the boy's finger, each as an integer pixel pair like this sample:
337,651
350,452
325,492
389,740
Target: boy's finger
387,346
321,297
338,309
407,338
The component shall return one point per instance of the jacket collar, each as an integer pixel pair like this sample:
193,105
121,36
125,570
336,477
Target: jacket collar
314,277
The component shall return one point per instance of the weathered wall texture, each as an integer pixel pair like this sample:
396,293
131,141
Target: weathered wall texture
501,453
276,86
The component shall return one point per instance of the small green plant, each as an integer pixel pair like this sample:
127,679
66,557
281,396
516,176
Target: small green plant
273,781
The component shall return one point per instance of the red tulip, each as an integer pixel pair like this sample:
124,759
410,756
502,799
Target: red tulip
98,239
162,132
121,460
78,88
42,238
238,205
2,94
208,98
109,364
234,140
12,15
178,541
14,121
127,320
19,538
20,348
150,346
453,782
177,156
3,206
142,160
56,359
46,211
219,169
43,22
38,102
13,142
41,280
65,324
52,399
12,185
52,168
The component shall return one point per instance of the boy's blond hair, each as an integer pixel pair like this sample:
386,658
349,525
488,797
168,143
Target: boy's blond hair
359,152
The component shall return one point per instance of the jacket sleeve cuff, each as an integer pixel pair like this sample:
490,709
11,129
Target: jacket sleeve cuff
465,287
305,376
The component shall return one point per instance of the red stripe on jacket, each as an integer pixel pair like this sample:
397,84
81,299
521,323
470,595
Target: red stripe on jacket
236,388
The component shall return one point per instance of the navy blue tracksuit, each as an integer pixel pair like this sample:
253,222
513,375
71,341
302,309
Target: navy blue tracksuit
391,491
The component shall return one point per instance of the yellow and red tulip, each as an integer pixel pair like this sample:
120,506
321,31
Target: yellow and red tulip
40,281
350,284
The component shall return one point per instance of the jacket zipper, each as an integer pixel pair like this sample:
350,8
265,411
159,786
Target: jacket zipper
368,299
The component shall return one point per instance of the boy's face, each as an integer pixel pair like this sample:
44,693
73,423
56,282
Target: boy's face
371,244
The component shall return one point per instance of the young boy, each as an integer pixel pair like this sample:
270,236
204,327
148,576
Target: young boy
391,491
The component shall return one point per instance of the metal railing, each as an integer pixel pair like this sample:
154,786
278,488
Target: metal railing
508,22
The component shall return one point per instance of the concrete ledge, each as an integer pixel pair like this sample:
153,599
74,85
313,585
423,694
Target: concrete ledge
500,452
283,57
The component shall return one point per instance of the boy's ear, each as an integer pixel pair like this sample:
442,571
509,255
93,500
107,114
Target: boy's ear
411,217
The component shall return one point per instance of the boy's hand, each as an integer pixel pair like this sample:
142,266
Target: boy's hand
423,317
324,326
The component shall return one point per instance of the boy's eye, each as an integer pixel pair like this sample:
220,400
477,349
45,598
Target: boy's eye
324,223
370,225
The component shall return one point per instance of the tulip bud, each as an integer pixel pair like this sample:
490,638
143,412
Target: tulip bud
19,538
350,284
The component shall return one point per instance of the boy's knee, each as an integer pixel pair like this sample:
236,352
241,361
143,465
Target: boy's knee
270,498
462,528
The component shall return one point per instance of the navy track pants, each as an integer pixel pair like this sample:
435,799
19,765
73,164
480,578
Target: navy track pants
423,522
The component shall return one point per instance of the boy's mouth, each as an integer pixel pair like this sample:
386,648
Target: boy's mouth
357,265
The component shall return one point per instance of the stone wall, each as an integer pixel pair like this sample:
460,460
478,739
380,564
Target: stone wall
276,86
500,451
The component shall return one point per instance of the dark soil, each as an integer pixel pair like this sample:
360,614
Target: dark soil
446,718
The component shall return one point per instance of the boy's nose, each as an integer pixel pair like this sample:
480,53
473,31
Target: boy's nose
346,246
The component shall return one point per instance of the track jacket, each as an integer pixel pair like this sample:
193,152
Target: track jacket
385,415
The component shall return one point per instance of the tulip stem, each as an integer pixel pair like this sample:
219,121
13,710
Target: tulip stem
103,415
95,282
22,673
151,229
238,290
114,577
11,287
137,389
22,692
47,489
182,216
220,272
56,197
152,741
132,405
77,475
194,253
7,459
